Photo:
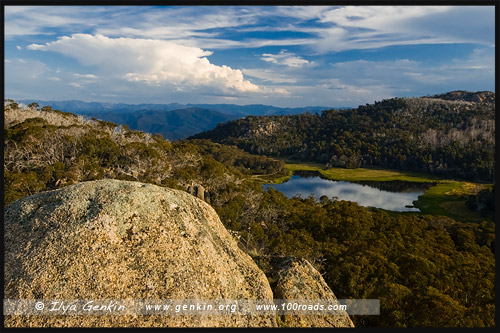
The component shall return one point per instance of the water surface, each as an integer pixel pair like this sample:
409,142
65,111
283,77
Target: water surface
364,195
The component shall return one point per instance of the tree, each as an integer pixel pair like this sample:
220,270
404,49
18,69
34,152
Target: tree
34,106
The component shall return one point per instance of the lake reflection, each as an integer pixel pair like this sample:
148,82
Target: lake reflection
362,194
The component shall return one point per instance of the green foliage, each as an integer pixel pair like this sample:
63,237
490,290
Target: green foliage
99,148
34,105
483,202
30,130
21,184
236,158
42,156
160,143
408,262
143,151
210,168
13,105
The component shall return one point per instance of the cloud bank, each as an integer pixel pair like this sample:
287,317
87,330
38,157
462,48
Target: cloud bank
154,62
281,55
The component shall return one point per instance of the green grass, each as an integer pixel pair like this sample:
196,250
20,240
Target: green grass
274,178
446,198
365,174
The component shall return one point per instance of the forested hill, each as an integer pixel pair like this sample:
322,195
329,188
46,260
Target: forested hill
451,134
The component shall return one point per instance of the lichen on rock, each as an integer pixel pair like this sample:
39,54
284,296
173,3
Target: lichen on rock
112,239
297,279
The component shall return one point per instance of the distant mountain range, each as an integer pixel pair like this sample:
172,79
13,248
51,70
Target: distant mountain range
174,121
173,125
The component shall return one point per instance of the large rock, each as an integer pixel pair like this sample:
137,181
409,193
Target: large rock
197,190
296,279
113,239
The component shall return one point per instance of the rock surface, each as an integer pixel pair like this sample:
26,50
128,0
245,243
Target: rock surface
477,97
297,279
112,239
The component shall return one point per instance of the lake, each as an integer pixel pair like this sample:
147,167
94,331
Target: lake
396,196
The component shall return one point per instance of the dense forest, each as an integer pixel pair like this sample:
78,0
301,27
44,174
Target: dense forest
426,270
451,134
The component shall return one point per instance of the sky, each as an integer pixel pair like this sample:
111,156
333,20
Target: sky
287,56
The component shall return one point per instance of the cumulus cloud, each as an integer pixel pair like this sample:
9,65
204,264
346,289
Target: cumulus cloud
154,62
284,58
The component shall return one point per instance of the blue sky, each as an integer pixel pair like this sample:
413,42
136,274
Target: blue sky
283,56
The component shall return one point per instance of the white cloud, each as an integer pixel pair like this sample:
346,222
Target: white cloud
85,76
217,43
155,62
381,18
178,22
33,20
284,58
481,58
193,23
301,12
401,76
335,29
160,53
282,91
80,80
269,75
25,69
364,27
75,84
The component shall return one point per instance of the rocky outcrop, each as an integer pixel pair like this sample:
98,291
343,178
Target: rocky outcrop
112,239
199,192
476,97
297,279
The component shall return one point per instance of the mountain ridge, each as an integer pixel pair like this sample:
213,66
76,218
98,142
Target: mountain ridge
174,121
77,106
173,125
